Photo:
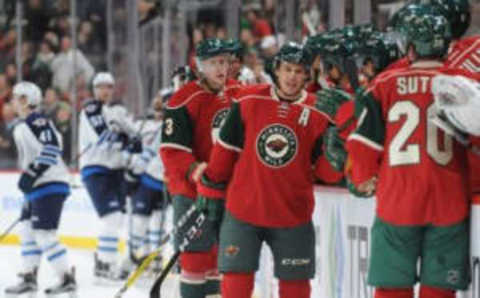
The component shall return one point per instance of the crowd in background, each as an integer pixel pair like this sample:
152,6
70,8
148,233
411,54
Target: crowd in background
47,52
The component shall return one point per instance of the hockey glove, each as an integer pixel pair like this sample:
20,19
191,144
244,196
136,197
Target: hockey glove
366,190
133,182
29,177
134,145
329,100
210,198
334,149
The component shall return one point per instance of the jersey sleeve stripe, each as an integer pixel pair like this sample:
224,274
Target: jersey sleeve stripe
366,141
175,146
229,146
458,59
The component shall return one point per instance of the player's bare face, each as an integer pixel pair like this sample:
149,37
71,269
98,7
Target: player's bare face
291,79
104,92
215,70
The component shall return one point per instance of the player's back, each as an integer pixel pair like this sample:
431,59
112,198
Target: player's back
423,172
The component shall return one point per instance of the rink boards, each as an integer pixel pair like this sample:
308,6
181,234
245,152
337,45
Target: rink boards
341,223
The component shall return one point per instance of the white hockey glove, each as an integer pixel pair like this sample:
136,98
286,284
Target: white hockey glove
457,99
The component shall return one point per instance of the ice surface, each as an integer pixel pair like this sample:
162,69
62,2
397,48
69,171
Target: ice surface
83,261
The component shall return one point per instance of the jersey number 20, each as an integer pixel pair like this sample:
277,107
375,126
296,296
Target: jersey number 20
402,153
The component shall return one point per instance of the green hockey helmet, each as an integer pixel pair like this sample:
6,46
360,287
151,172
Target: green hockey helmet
294,53
378,49
429,34
212,47
457,13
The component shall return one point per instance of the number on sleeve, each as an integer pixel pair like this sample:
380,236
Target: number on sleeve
169,126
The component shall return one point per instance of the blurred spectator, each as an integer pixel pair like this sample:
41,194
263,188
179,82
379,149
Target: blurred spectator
38,18
7,46
247,37
7,146
50,102
5,91
46,54
33,69
62,121
63,66
260,26
11,73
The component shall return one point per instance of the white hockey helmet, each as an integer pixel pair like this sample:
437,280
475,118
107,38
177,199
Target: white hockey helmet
103,78
32,93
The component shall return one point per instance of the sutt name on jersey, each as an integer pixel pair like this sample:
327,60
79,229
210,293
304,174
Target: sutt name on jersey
422,177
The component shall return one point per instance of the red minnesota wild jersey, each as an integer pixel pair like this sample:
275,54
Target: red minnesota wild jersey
422,172
193,118
465,54
270,151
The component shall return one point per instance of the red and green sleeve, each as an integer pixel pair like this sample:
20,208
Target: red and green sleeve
365,145
229,145
177,143
323,170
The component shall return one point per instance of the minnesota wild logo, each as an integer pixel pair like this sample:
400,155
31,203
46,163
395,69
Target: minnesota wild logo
276,145
217,123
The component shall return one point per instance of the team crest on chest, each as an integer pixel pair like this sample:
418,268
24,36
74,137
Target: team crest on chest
217,123
276,145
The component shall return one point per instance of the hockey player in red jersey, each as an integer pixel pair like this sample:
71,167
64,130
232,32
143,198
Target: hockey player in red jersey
266,149
422,192
192,120
465,54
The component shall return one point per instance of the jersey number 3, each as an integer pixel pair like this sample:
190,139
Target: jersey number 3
403,153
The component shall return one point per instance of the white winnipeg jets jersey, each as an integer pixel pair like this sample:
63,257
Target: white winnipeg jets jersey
104,130
149,161
39,143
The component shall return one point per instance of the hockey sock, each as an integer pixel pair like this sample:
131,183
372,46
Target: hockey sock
155,231
30,252
53,250
192,284
107,248
294,288
193,276
237,285
430,292
212,287
138,232
393,293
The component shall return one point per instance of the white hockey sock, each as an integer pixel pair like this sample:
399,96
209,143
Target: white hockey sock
107,248
53,250
138,232
155,232
30,252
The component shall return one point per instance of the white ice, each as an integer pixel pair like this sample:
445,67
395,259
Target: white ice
83,261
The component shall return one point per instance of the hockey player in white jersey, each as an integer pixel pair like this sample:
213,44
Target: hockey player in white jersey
44,182
146,189
106,129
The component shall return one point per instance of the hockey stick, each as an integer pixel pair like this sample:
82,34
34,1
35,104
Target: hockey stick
155,290
9,229
192,232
